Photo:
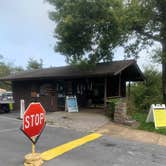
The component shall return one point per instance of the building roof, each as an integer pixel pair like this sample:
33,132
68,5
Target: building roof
67,72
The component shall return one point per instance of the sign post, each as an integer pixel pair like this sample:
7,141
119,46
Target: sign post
33,124
33,147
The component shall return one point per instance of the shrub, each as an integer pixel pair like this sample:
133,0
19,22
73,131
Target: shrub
149,92
111,107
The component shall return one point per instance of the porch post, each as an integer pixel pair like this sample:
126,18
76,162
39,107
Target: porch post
105,93
129,89
119,85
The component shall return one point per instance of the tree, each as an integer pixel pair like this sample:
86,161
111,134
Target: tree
145,93
90,30
34,64
4,71
15,69
7,68
83,28
149,25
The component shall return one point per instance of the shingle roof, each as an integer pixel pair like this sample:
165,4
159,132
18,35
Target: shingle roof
112,68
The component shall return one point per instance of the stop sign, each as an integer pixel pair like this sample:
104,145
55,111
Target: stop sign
33,120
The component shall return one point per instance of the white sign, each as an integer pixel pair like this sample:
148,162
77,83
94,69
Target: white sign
71,104
150,117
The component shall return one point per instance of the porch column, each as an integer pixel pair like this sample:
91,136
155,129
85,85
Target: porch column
129,85
119,90
105,93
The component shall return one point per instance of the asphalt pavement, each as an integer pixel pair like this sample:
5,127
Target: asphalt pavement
105,151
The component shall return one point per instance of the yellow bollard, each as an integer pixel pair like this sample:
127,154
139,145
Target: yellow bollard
33,159
33,148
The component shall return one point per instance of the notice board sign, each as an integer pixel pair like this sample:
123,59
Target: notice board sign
157,114
160,118
71,104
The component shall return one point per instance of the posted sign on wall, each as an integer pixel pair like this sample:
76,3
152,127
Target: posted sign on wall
33,121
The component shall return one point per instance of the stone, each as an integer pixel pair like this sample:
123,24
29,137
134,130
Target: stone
120,114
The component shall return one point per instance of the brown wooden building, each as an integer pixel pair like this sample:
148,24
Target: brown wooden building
51,86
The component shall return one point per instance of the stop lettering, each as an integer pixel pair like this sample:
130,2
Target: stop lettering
33,120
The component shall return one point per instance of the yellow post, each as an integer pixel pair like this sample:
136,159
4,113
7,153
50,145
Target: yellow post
33,147
33,158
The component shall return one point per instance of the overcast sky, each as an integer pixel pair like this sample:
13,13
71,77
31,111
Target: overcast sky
26,31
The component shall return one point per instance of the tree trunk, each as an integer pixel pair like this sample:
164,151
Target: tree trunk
161,6
164,71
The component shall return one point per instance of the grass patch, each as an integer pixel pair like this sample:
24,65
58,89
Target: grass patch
141,118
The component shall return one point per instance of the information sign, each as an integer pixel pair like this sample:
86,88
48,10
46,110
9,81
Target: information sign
157,114
71,104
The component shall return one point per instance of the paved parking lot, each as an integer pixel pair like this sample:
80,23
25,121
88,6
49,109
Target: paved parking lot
14,145
104,151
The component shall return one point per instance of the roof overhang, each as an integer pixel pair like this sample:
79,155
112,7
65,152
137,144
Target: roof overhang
128,68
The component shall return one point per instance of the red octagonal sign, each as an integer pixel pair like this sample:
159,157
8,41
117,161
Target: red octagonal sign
34,121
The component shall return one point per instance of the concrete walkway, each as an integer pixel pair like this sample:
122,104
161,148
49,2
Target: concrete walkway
85,121
120,131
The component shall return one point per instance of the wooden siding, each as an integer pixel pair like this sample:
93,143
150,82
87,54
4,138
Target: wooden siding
23,90
51,93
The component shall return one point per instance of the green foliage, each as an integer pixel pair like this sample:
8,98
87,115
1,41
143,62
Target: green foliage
156,55
145,93
15,69
7,69
83,65
111,107
91,29
4,71
34,64
88,29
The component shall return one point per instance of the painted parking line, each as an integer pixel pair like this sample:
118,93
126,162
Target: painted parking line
59,150
10,118
7,130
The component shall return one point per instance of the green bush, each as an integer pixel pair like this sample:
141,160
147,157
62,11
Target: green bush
111,107
149,92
